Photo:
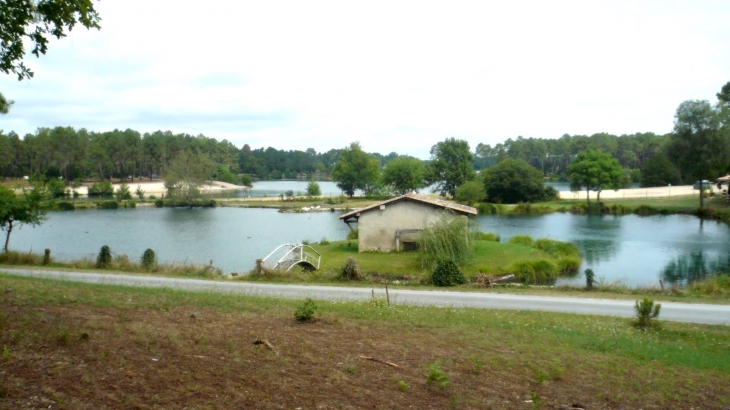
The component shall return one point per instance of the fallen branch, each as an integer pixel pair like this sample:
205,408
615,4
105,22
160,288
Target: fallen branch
267,344
379,361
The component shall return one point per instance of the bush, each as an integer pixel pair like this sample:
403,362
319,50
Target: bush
122,192
487,209
47,256
324,241
104,259
645,210
108,204
556,248
447,274
149,259
139,192
159,203
487,236
568,265
535,271
646,312
521,239
103,188
305,313
351,270
65,206
550,193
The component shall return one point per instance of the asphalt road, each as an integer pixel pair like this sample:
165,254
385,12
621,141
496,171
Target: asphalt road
672,311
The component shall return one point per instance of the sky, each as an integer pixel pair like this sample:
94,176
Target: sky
397,76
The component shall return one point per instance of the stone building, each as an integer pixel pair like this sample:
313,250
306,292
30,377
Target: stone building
396,223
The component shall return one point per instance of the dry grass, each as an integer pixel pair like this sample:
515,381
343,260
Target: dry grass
94,347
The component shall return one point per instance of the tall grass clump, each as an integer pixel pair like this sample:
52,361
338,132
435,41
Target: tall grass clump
569,265
353,234
718,285
20,258
526,208
645,210
556,248
447,239
487,209
534,271
487,236
521,240
351,270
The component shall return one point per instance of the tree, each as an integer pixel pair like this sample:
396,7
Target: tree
313,188
512,181
355,170
470,192
659,171
595,170
405,174
451,165
28,208
724,95
37,20
700,144
187,172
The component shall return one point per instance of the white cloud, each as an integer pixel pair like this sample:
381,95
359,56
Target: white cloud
397,76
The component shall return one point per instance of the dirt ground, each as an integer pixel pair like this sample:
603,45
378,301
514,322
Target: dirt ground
80,357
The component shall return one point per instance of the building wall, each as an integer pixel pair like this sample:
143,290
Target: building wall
376,227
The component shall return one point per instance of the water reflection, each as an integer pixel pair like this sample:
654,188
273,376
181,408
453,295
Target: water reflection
693,266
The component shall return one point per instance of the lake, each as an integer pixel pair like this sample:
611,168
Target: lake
635,250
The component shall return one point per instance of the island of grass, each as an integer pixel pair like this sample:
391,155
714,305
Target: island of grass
530,261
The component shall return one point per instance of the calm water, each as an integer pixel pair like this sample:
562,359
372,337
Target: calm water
632,249
276,188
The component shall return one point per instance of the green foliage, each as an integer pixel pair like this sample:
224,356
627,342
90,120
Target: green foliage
351,270
487,209
556,248
355,170
447,274
246,180
29,208
38,20
521,239
512,181
470,192
313,188
595,170
487,236
402,386
536,401
659,171
65,206
405,174
187,172
437,375
149,259
590,278
159,203
533,271
353,234
450,165
104,259
103,188
139,192
646,312
122,192
526,208
447,239
324,241
700,143
57,188
305,312
568,265
107,204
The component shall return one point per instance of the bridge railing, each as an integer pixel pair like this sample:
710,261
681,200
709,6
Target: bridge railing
296,254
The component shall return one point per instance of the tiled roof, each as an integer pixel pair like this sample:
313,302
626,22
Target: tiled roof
420,198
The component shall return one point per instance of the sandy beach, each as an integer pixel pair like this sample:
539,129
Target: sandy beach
667,191
158,187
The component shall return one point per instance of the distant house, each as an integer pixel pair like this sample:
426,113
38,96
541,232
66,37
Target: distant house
396,223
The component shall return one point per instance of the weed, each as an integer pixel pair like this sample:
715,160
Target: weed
487,236
478,364
447,274
403,386
536,401
324,241
6,352
435,374
521,239
47,256
305,312
350,369
351,270
62,338
541,376
646,312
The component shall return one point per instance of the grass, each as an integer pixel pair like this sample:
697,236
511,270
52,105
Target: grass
97,346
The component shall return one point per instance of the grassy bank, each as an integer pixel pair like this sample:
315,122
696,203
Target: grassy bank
81,346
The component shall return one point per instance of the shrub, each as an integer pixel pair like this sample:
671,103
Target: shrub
65,206
351,270
104,259
108,204
487,236
568,265
19,258
149,259
556,248
324,241
103,188
646,312
353,234
645,210
139,192
159,203
535,271
487,209
305,312
521,239
47,256
122,192
152,197
590,278
447,274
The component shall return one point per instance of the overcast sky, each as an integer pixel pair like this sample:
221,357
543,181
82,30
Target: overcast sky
395,75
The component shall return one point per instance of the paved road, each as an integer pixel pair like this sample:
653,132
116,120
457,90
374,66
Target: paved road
680,312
